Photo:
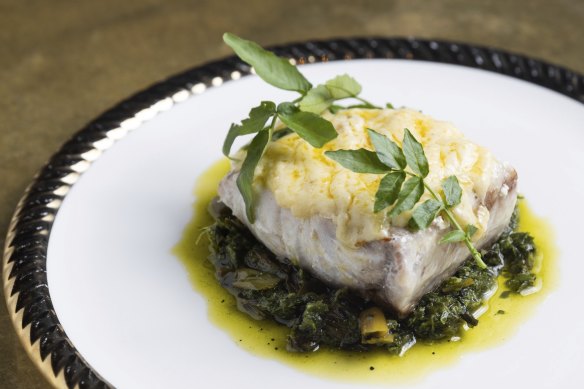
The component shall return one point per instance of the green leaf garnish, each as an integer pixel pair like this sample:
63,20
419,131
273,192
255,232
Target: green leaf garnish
471,230
359,161
246,174
453,237
424,214
309,126
388,152
274,70
392,188
343,86
302,117
316,100
409,195
414,153
234,131
324,96
258,116
452,191
389,188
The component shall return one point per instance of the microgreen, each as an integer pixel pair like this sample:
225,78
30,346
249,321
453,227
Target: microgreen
395,164
301,115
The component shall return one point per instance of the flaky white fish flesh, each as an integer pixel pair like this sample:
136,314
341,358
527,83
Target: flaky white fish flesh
396,270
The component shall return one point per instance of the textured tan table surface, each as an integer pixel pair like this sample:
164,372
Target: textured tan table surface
64,61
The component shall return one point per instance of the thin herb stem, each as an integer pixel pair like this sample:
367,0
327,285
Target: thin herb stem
476,255
272,125
369,104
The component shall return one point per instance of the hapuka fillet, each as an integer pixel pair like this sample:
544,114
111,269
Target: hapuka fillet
319,214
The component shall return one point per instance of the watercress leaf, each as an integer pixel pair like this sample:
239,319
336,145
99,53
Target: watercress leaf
258,116
453,236
361,105
280,133
336,108
316,100
471,230
245,179
232,134
286,108
343,86
409,195
359,161
415,154
389,188
424,214
274,70
452,191
309,126
388,152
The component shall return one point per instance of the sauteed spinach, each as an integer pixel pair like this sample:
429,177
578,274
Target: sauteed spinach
266,287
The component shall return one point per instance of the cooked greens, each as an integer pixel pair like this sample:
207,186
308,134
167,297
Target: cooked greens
266,287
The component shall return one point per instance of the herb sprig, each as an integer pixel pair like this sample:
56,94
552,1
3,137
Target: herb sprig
396,164
302,116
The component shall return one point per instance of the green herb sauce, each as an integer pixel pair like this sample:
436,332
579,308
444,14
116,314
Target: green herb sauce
453,303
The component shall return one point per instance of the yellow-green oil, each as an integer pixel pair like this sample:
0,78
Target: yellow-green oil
267,339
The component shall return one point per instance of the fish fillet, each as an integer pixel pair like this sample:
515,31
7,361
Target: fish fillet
396,266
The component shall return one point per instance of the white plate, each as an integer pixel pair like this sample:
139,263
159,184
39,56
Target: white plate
126,301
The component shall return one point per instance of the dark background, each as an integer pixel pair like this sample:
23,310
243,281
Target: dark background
62,62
